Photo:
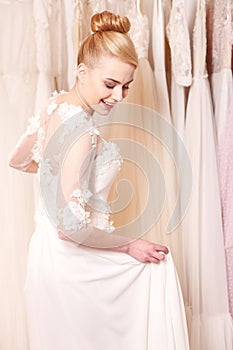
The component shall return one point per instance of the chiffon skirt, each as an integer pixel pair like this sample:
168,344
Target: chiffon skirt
81,298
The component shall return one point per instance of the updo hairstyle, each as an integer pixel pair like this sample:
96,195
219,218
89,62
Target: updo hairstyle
109,38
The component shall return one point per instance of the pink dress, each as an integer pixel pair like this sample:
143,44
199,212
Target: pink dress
219,62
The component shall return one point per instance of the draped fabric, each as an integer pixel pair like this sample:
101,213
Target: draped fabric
219,66
226,186
206,295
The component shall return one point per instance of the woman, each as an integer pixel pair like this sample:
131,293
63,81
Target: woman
83,290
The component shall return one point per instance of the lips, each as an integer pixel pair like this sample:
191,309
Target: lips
108,104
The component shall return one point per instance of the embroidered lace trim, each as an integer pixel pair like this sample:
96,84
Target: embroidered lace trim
178,36
219,34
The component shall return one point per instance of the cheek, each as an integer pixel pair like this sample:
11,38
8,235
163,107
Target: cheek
125,93
104,93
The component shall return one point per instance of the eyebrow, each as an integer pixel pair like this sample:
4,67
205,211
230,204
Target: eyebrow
118,82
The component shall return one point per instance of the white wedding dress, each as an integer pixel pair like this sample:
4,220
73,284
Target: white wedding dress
83,298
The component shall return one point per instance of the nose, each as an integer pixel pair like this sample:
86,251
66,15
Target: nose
117,94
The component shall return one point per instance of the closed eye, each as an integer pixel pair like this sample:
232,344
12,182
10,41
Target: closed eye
109,86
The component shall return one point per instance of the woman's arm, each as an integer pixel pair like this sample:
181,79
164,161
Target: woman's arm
25,155
140,249
21,156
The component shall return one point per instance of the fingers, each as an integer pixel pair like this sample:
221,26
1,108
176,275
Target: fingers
157,257
147,252
152,259
161,248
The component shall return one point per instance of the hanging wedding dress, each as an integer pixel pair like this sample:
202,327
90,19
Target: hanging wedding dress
219,59
143,90
159,57
17,88
51,48
181,77
87,298
219,42
206,289
225,152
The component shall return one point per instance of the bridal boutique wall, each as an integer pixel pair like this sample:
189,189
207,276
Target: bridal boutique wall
37,57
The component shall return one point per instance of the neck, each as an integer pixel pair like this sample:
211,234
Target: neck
84,104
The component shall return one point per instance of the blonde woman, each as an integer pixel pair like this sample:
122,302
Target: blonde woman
87,289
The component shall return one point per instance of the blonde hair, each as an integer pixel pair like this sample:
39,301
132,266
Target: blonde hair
109,38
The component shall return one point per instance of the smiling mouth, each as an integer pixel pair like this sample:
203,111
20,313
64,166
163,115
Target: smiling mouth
108,104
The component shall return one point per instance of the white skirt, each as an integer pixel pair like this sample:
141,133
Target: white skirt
80,298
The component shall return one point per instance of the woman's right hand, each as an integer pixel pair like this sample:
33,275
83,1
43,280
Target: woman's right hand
146,251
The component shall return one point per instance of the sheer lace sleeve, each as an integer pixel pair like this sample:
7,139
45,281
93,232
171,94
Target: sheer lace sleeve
73,192
27,153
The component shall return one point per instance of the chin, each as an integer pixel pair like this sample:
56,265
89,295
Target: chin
102,110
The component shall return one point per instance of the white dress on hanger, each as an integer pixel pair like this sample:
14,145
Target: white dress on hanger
219,59
206,289
159,58
219,42
51,49
87,298
181,77
143,90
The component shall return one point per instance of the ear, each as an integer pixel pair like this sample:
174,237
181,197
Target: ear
81,72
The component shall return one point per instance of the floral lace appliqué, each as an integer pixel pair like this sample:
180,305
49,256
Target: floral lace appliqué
109,154
219,34
74,215
102,222
67,110
37,150
140,37
51,108
178,36
33,125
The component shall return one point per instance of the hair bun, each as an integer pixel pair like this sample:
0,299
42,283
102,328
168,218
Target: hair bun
108,21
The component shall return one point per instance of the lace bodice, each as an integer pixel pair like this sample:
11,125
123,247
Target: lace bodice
139,31
74,195
219,34
178,36
199,41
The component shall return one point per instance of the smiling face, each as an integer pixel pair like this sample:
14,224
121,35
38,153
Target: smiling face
106,84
